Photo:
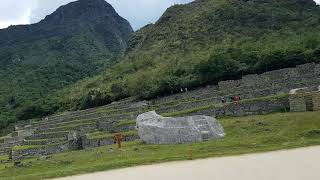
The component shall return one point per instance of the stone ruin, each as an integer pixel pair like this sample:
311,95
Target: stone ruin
54,135
304,99
155,129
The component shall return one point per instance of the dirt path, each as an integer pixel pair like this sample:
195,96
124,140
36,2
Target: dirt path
298,164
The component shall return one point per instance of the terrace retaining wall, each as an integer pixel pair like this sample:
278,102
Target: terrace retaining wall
18,155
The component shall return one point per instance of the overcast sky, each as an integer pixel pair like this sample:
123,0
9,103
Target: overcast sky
138,12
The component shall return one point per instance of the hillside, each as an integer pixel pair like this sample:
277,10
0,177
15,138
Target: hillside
78,40
202,43
90,128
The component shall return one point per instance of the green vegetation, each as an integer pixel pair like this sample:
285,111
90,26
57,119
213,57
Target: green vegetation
2,139
35,63
273,97
4,158
244,135
73,123
205,42
189,46
56,132
27,147
211,106
192,110
70,127
104,135
126,122
44,140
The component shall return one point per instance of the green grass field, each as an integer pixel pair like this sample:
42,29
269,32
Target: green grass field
249,134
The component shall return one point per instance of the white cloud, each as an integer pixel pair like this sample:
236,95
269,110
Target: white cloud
22,19
14,12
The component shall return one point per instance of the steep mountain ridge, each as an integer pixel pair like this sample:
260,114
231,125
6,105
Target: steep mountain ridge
204,42
197,44
78,40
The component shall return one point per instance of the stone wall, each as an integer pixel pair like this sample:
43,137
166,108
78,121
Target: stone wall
4,151
251,86
44,142
316,101
297,103
249,107
97,142
204,92
188,105
282,80
48,135
305,99
18,155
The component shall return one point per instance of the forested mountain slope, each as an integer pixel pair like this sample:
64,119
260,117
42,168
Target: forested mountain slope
197,44
202,43
78,40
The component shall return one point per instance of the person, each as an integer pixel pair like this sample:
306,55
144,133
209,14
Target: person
223,100
119,138
229,99
235,99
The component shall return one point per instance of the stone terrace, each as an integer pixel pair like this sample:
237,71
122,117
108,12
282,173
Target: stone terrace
94,127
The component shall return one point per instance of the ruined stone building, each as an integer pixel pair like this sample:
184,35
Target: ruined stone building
304,99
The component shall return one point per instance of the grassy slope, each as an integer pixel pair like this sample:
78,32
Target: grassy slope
244,135
53,55
204,42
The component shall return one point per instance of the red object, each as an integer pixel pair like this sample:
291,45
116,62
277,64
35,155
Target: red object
235,99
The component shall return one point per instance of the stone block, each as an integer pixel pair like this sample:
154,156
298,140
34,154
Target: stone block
297,103
155,129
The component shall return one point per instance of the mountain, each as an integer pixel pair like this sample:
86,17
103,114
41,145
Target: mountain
202,43
78,40
194,45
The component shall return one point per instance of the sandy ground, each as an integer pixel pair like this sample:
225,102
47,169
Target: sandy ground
298,164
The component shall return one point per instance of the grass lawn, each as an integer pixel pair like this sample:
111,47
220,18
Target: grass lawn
244,135
3,158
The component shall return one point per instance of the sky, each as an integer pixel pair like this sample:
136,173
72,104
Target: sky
137,12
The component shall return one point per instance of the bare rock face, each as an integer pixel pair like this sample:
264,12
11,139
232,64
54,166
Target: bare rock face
155,129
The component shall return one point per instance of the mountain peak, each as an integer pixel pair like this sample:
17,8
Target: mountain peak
82,10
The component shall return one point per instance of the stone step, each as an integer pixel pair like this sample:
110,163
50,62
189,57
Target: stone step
79,127
4,151
4,158
116,117
113,106
22,152
44,141
126,111
180,107
79,116
61,124
49,135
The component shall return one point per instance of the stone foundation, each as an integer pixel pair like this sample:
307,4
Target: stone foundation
304,99
18,155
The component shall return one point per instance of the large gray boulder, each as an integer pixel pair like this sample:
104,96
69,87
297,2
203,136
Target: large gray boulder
155,129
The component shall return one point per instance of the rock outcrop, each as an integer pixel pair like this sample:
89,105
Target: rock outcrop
155,129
